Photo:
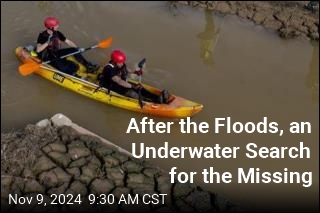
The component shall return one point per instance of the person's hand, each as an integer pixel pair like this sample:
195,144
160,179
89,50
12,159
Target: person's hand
81,49
138,72
137,86
49,38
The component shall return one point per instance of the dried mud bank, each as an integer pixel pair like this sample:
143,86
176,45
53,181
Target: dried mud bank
290,19
58,157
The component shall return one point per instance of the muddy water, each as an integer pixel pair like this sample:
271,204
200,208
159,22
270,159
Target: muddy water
235,69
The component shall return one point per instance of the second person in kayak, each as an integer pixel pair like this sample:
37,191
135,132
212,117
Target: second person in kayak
114,77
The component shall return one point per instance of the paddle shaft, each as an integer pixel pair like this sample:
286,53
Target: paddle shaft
103,44
139,93
140,65
70,54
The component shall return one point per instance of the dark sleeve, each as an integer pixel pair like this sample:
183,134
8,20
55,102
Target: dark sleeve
61,36
42,38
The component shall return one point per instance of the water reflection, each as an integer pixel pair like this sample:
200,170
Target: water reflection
172,7
46,6
312,81
208,39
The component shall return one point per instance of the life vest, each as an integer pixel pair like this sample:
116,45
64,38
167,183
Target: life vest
55,43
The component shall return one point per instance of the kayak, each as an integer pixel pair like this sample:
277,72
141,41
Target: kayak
87,84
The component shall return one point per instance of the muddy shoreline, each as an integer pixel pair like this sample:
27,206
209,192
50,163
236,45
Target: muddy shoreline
288,18
56,156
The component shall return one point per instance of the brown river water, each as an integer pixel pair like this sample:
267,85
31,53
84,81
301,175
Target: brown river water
234,68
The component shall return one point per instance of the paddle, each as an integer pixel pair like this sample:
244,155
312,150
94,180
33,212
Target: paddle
140,65
29,68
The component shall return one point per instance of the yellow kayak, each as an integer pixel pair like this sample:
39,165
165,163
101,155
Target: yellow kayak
177,107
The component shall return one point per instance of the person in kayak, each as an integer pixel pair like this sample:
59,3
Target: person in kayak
114,77
49,48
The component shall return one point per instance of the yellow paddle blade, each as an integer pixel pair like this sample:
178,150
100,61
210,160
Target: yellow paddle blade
28,68
105,43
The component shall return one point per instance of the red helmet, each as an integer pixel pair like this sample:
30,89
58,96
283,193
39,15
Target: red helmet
51,22
118,56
